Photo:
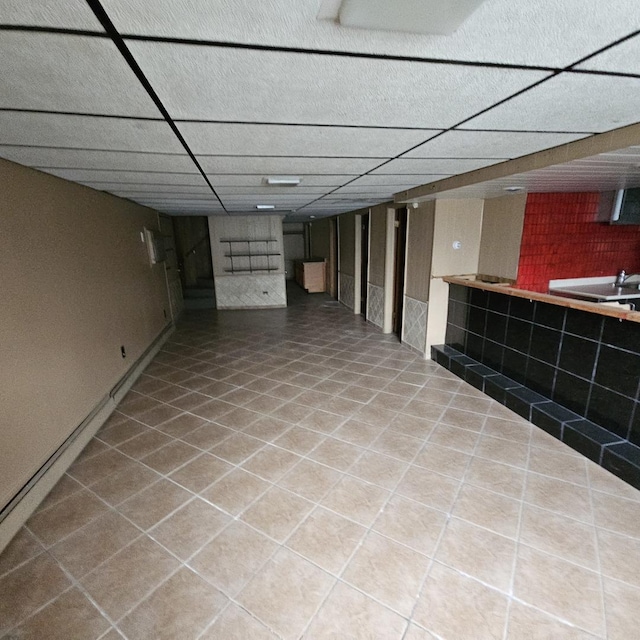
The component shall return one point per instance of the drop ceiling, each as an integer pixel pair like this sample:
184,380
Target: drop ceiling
188,106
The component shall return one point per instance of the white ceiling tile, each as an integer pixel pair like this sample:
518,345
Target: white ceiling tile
285,166
242,180
282,140
623,58
228,84
545,32
57,72
192,198
298,191
127,179
445,166
160,190
81,164
568,102
396,181
489,144
86,132
67,14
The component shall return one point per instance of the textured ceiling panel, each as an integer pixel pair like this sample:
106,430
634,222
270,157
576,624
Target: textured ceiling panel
160,191
397,181
545,32
80,164
275,140
286,166
68,14
446,166
130,179
225,84
624,57
68,73
569,102
241,180
296,192
489,144
86,132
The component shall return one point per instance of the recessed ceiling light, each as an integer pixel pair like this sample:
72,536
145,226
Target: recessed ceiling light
283,181
265,206
513,189
312,216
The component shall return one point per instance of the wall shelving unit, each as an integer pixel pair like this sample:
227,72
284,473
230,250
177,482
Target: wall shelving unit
243,255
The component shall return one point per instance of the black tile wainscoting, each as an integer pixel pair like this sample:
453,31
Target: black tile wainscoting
573,373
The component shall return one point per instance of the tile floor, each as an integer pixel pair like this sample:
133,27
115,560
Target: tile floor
296,474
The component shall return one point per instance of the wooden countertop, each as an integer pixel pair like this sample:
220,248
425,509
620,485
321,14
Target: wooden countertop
571,303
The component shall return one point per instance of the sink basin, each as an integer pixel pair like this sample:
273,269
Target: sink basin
629,285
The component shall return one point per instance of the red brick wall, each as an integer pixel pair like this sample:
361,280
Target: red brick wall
561,239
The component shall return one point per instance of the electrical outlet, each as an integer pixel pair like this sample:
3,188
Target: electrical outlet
123,351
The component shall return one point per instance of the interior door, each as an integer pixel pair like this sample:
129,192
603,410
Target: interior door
364,271
400,252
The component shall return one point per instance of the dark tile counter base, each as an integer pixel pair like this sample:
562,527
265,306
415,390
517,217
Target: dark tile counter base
592,440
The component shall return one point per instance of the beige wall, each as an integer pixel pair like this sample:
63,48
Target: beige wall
76,284
419,251
377,244
347,238
502,222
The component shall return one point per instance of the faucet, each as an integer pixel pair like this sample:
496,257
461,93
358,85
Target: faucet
621,277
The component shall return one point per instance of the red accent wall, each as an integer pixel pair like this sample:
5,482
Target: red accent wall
561,239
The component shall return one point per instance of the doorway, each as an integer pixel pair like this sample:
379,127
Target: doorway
400,253
364,263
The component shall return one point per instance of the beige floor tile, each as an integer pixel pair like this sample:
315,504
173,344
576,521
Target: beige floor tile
435,396
347,613
158,415
622,603
214,409
501,450
424,410
310,480
602,480
496,476
231,559
617,514
208,436
544,440
443,460
397,445
65,487
143,445
93,448
322,421
236,624
265,404
67,516
126,578
559,588
429,488
357,433
201,472
526,623
236,491
359,394
237,448
487,509
417,633
22,547
412,426
446,435
71,615
463,419
271,463
357,500
267,428
479,553
153,504
180,608
558,465
291,412
85,549
189,401
375,416
507,425
169,393
189,528
239,418
181,425
286,593
329,386
100,466
559,535
285,391
28,587
477,404
277,513
559,496
261,385
335,453
299,440
379,469
117,487
411,523
619,557
326,539
389,401
170,457
389,572
457,607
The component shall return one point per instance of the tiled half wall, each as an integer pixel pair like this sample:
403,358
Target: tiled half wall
347,290
414,323
375,305
585,363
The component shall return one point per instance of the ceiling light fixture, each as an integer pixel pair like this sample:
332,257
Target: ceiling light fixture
513,189
283,181
265,206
